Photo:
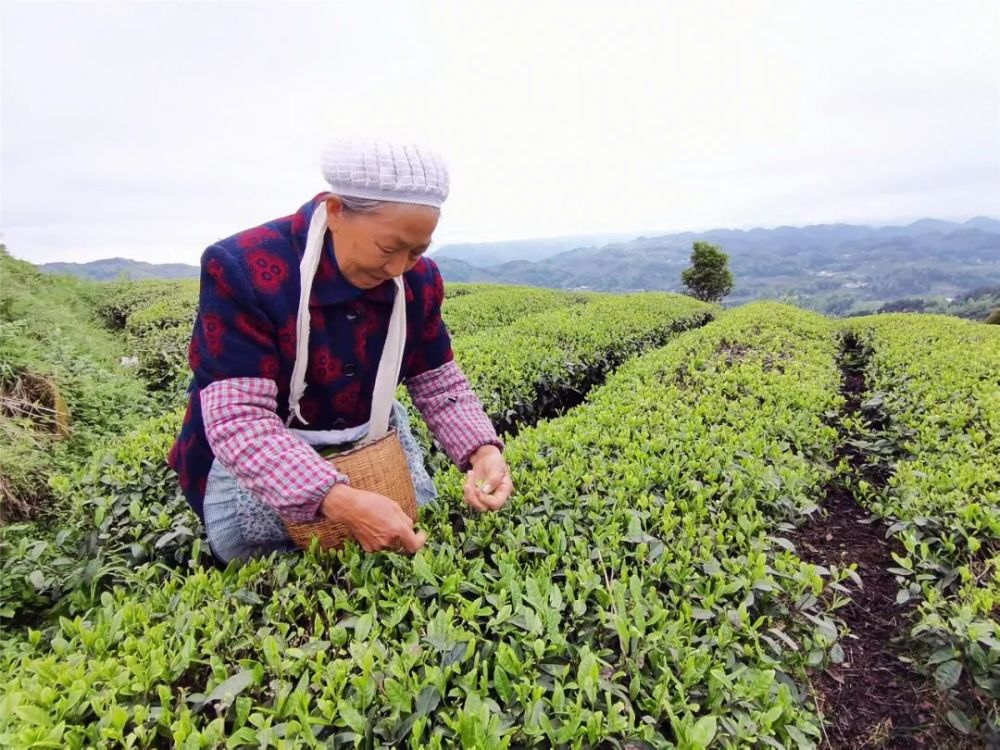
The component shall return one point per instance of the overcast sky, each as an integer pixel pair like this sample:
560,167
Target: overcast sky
150,130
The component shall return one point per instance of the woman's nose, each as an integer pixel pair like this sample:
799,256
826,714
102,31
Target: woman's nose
396,267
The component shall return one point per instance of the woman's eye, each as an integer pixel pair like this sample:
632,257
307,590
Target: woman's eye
385,250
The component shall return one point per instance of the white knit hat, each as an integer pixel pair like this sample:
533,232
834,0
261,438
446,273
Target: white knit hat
385,170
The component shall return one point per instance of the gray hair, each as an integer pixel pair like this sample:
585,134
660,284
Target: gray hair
354,205
360,205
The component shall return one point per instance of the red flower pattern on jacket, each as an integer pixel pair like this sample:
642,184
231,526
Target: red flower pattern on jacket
214,330
254,328
324,367
346,402
252,239
288,337
217,272
267,271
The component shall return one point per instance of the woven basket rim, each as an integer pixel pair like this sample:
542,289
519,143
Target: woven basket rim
361,446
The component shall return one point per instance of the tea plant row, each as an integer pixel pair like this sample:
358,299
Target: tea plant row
542,363
499,306
636,591
935,380
125,501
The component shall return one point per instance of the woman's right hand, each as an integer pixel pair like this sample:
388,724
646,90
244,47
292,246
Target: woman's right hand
373,520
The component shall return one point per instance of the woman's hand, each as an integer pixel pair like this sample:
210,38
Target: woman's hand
373,520
487,484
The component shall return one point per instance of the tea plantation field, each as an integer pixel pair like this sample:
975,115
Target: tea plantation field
707,503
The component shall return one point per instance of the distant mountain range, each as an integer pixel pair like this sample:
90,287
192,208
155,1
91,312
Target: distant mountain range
112,268
495,253
489,254
830,267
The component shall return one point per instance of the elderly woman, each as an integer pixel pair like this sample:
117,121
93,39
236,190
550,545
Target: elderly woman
292,322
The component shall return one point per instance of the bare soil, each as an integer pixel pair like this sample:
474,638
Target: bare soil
873,699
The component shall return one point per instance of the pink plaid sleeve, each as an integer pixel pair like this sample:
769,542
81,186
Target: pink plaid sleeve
247,436
453,412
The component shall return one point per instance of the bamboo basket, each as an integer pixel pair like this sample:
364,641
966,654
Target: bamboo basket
379,466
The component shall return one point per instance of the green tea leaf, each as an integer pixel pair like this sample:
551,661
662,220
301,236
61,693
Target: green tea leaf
225,692
352,717
703,732
960,721
428,700
364,626
947,674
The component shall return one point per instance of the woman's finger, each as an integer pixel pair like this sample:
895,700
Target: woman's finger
500,495
471,494
494,481
473,501
411,541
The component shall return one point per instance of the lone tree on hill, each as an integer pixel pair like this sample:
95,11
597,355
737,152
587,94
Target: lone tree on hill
709,278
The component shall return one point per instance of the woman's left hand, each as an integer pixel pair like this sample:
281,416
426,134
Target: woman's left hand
487,484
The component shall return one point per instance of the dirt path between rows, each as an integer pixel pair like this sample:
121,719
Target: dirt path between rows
872,699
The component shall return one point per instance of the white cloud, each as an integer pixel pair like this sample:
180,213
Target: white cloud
149,130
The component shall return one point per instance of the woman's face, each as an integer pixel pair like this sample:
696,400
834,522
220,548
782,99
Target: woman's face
372,248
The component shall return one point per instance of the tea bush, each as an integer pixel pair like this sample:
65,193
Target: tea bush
635,592
157,318
540,364
62,385
501,306
936,380
122,301
123,507
640,589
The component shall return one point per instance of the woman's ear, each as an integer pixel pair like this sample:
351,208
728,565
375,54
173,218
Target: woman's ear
334,206
334,212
